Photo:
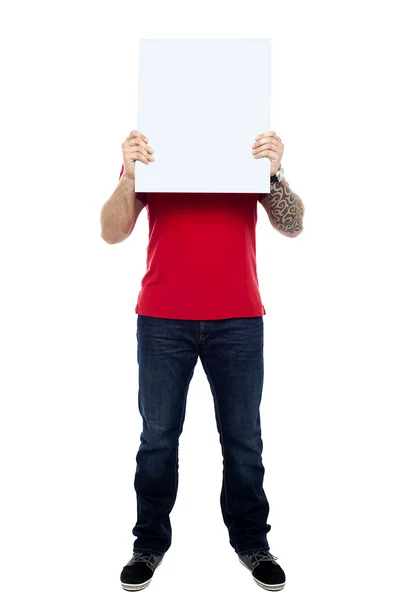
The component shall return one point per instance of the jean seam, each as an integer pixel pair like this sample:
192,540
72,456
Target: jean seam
217,409
253,549
221,437
177,446
149,551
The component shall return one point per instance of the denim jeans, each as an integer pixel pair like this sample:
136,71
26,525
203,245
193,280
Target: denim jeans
231,352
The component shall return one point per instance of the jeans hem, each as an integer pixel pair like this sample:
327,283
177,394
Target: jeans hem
149,551
266,548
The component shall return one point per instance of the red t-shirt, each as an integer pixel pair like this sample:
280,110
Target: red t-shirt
201,256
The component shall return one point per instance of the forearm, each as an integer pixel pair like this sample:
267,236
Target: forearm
286,209
118,213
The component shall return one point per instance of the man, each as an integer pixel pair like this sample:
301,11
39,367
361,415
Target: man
200,298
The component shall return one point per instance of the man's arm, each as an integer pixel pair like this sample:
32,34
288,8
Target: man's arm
284,207
120,213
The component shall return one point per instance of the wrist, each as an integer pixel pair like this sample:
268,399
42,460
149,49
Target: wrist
278,175
128,176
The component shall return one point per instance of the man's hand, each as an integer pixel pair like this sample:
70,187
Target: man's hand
270,145
135,148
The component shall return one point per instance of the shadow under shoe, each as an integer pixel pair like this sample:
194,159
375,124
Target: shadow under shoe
137,573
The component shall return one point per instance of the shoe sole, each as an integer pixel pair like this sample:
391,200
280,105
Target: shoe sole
272,587
136,587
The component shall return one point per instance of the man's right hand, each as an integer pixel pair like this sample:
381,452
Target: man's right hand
134,148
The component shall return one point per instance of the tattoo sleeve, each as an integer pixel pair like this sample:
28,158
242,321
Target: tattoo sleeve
285,209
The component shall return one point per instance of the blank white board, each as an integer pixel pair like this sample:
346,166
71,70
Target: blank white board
201,104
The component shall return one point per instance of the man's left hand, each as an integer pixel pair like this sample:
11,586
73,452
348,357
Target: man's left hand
269,145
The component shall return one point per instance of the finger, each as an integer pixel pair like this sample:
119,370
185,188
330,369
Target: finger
135,133
267,140
136,142
143,151
269,154
269,145
129,150
138,145
137,155
268,134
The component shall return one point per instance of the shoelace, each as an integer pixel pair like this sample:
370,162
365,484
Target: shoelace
142,557
259,555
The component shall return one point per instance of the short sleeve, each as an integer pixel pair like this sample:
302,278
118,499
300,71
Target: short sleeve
142,196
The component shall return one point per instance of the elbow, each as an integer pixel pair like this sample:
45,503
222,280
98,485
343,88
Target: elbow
287,232
109,239
294,233
105,235
109,235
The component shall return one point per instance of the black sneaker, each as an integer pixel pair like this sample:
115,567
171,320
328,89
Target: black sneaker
265,570
137,573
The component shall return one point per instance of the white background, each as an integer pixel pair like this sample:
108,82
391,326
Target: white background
69,418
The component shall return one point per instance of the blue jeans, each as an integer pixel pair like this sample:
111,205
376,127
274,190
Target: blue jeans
231,352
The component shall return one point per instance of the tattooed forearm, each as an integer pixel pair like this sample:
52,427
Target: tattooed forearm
285,209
